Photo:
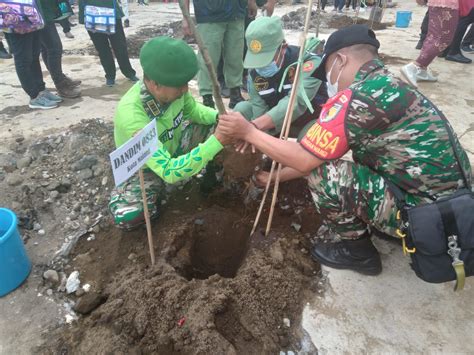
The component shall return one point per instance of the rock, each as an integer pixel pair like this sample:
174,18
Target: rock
36,226
51,276
14,180
88,302
84,174
63,278
98,170
49,292
132,257
91,237
23,162
54,185
86,288
80,292
199,222
296,226
87,220
41,232
87,161
104,180
73,282
286,322
53,195
276,253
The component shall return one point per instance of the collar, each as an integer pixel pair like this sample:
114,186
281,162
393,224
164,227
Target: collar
367,69
151,106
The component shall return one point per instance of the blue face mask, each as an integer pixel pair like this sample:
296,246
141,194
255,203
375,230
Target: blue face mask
268,70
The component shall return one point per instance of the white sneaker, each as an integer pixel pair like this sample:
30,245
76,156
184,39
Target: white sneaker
42,102
425,75
410,72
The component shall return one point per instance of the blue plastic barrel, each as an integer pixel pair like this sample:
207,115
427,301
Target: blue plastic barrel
403,19
14,263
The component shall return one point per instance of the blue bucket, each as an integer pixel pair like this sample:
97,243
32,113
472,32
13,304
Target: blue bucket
14,263
403,19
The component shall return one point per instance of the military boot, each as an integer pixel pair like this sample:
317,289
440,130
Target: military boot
67,90
235,97
72,82
208,101
359,255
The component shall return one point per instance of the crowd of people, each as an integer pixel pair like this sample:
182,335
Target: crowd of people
347,101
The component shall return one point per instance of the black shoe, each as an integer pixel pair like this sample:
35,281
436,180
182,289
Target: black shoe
4,54
459,58
235,97
359,255
225,91
468,49
419,45
208,101
126,23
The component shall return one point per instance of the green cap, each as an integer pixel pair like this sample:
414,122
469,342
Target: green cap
263,36
168,61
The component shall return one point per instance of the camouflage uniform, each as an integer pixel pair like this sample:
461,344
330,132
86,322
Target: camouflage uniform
395,134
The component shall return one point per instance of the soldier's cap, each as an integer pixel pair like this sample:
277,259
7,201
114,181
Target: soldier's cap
345,37
168,61
263,36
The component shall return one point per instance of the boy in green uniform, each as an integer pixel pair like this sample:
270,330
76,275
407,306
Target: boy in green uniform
272,65
183,125
396,135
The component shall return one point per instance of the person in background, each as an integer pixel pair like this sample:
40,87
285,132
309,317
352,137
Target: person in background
66,25
443,20
221,26
52,51
467,44
466,12
104,43
124,4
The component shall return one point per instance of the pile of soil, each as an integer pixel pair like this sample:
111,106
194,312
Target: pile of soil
212,290
295,20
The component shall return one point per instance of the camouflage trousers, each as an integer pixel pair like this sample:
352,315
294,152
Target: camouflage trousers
350,198
126,203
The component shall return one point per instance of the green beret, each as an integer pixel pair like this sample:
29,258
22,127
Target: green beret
168,61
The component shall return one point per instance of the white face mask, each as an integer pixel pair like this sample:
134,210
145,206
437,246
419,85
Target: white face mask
332,89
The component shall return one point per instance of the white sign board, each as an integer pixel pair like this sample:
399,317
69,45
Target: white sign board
130,156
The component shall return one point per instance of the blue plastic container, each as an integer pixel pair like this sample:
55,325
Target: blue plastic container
14,263
403,19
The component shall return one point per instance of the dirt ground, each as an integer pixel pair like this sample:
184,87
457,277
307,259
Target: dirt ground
213,289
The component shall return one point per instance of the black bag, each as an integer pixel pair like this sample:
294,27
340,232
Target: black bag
439,236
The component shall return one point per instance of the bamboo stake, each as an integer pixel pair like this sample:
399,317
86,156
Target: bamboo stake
289,111
205,56
147,217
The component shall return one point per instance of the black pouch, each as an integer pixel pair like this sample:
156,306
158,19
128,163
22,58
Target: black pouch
439,236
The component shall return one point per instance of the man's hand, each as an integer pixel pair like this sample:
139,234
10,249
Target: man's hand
235,125
185,27
223,138
241,147
252,8
261,178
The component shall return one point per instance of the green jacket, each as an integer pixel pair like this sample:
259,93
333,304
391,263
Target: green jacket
137,108
210,11
102,3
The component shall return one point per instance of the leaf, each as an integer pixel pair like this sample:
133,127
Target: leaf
178,174
197,158
181,161
187,170
161,161
175,164
167,172
195,151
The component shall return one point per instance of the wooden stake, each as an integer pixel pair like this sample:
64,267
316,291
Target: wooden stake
289,112
147,217
207,59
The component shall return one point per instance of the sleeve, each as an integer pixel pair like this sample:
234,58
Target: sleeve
172,170
327,139
311,86
197,112
259,105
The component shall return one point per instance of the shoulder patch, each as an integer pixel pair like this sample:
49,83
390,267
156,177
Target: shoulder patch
327,139
260,83
308,66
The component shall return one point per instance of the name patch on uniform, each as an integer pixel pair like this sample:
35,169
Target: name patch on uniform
327,139
168,134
